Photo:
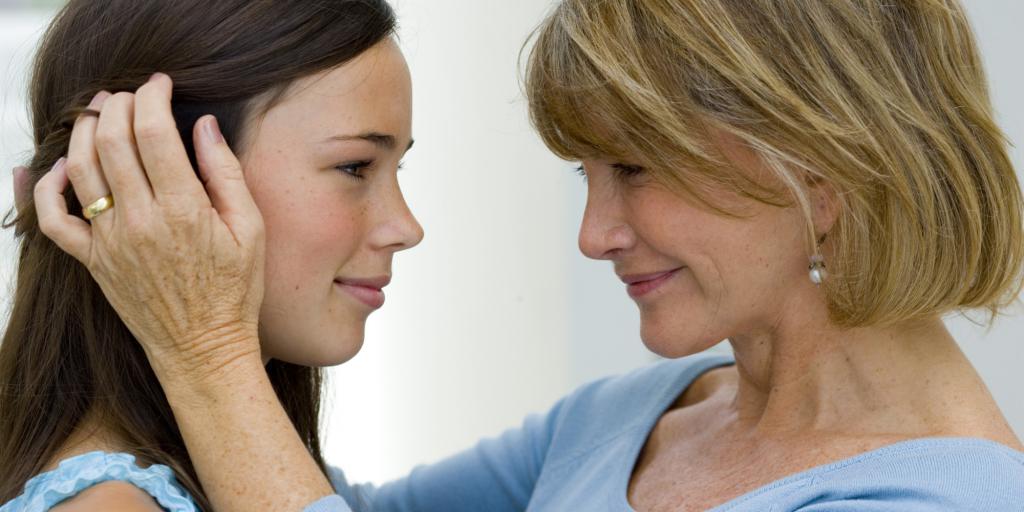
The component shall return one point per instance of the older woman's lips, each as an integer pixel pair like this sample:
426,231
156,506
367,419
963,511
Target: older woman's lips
639,285
367,291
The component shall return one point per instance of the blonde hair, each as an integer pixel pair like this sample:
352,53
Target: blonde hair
885,101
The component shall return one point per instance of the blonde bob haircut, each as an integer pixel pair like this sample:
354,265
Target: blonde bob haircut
885,101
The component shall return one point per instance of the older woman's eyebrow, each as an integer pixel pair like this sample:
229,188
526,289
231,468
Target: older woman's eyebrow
379,139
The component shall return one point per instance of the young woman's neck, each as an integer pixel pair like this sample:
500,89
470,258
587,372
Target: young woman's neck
90,435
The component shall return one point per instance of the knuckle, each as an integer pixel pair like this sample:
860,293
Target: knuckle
148,130
106,139
45,224
38,188
76,170
228,170
180,216
145,88
120,98
153,86
118,102
49,225
136,230
252,233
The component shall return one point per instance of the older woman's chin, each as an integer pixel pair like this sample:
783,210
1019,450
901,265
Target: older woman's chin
675,339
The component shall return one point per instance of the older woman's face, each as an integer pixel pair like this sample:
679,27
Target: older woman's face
322,168
698,277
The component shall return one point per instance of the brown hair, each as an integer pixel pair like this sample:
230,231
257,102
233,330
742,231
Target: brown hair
65,352
885,101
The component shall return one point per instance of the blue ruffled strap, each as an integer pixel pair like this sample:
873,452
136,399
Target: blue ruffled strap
76,474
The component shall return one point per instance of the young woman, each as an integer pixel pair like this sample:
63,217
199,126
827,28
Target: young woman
817,182
316,100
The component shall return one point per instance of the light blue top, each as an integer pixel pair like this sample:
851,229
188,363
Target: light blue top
76,474
580,456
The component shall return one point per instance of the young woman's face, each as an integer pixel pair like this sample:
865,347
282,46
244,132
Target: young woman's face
697,276
322,167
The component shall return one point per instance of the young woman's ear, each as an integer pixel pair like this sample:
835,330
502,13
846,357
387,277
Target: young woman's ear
21,191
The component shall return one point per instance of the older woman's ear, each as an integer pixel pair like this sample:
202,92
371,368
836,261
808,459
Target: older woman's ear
21,191
825,206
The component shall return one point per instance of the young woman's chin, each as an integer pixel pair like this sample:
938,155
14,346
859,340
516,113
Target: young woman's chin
325,351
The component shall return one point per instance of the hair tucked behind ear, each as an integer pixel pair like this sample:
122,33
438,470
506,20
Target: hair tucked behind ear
66,353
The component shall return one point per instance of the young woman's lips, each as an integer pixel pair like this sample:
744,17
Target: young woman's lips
368,292
639,286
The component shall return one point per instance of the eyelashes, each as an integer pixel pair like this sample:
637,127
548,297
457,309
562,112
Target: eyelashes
358,170
622,171
627,171
581,172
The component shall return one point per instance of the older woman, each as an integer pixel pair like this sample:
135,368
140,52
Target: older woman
817,182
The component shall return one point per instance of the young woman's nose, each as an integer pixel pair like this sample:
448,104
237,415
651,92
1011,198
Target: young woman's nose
398,229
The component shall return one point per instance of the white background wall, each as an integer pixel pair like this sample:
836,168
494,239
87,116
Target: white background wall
497,314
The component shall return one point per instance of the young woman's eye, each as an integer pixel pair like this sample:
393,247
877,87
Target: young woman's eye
356,170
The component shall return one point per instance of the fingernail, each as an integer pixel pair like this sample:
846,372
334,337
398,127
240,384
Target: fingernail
213,133
60,163
98,100
154,76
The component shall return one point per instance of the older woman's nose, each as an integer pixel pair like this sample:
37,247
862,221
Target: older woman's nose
604,232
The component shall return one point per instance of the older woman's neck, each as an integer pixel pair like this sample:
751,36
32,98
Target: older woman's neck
809,375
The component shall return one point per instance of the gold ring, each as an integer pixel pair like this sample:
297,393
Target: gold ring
101,205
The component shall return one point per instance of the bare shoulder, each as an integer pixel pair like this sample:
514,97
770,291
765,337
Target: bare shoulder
996,431
114,496
980,417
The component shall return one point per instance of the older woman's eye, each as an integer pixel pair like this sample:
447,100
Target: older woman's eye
356,170
626,171
581,172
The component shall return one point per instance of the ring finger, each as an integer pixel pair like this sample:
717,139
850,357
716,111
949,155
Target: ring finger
83,164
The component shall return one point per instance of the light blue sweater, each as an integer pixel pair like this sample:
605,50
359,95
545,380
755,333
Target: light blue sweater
580,455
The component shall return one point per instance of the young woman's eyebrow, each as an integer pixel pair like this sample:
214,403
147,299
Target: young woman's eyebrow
379,139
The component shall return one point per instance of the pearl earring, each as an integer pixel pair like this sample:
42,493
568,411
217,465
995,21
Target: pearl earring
817,273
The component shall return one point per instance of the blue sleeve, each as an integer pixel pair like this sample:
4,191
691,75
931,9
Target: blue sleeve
496,475
332,503
973,475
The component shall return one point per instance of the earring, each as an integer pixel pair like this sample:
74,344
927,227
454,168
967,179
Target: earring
817,273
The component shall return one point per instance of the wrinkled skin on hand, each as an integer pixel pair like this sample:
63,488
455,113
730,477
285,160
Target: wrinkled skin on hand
181,260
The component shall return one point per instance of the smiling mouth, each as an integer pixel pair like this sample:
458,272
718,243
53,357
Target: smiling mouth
641,285
368,291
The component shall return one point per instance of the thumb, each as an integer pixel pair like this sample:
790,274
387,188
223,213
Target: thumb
21,191
221,173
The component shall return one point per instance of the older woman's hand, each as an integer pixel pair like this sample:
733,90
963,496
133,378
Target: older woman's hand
182,265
